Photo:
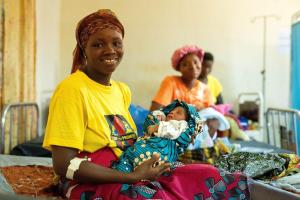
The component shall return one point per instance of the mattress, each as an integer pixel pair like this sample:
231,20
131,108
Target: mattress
9,160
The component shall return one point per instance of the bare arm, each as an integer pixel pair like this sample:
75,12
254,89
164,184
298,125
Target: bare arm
155,106
89,172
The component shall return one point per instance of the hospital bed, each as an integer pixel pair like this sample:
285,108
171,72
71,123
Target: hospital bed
10,115
283,126
278,127
19,124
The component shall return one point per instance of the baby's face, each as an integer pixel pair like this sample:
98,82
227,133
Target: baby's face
178,113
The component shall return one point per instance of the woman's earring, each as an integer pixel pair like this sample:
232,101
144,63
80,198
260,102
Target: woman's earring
85,60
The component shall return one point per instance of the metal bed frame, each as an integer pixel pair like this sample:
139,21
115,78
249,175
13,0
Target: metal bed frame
259,134
283,127
23,121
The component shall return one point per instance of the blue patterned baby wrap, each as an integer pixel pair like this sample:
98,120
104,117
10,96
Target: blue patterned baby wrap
168,149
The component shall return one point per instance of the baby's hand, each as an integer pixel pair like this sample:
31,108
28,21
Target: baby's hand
160,116
152,129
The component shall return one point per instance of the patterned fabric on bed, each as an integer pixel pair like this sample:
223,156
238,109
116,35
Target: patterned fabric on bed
261,166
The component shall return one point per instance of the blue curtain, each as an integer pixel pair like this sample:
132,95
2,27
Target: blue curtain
295,73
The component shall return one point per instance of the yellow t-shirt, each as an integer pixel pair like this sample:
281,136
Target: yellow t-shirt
89,116
215,87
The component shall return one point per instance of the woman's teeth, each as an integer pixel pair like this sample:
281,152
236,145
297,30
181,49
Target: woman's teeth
110,61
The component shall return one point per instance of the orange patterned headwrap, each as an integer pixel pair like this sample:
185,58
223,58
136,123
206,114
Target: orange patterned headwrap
102,19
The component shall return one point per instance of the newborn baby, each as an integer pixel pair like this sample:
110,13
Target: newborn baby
168,138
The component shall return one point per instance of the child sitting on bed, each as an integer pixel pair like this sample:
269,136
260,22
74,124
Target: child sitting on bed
168,138
214,121
206,147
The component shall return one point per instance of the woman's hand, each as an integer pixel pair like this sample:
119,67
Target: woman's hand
149,170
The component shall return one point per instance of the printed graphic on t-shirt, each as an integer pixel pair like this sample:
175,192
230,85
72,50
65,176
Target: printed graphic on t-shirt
121,131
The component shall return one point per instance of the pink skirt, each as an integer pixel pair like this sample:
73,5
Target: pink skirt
194,181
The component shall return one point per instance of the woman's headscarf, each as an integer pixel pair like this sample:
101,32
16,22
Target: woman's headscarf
183,51
102,19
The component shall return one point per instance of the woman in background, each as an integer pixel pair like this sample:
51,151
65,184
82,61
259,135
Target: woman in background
213,83
186,87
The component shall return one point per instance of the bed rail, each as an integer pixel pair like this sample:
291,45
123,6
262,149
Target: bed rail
19,123
283,127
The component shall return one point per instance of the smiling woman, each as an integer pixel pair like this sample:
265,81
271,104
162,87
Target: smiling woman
89,126
104,49
99,43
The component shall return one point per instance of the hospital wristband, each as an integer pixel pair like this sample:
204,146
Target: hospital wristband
74,166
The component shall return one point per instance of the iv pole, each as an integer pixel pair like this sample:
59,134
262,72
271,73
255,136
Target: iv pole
264,18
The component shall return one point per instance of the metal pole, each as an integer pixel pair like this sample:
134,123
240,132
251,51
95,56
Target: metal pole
263,72
264,18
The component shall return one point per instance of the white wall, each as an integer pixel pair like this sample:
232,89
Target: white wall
154,29
48,51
